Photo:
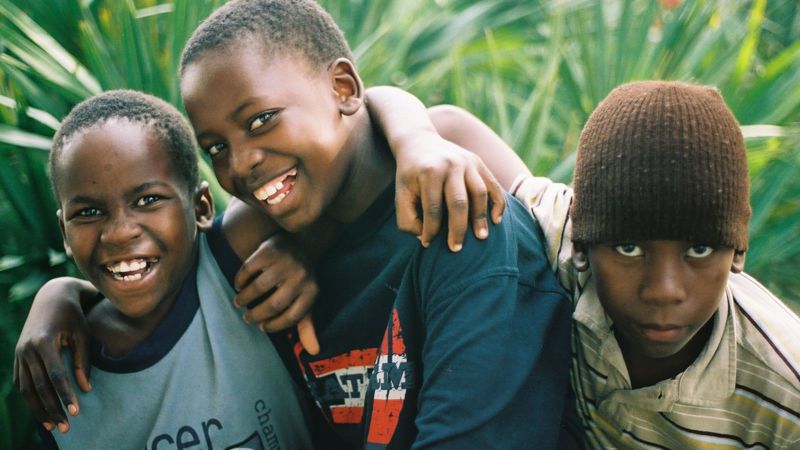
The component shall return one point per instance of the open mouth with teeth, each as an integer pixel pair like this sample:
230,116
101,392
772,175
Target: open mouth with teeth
131,269
276,189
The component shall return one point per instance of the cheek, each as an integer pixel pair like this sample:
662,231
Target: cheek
222,175
615,291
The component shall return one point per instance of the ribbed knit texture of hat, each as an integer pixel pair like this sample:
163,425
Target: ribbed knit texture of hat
661,161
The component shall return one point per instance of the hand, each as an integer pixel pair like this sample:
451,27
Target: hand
276,270
431,165
56,320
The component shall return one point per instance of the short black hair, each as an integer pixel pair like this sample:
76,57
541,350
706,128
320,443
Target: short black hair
140,108
278,26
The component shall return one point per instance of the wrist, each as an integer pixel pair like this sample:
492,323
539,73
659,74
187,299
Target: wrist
410,141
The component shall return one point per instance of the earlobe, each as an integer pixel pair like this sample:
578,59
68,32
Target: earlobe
580,258
347,86
738,261
67,248
203,207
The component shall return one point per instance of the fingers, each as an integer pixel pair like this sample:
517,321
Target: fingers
24,384
44,395
308,335
431,198
253,293
496,194
408,220
80,367
455,193
286,307
479,203
61,385
249,270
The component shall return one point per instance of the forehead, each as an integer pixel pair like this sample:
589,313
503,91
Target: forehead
116,153
229,76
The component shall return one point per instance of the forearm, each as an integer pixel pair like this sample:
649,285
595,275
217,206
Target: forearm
69,289
401,116
405,120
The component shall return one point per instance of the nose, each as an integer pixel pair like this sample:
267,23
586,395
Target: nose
243,158
663,283
119,230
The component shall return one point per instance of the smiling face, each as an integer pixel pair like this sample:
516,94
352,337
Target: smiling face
660,294
129,221
276,129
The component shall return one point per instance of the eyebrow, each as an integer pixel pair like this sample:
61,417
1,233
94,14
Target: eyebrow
85,199
231,117
146,185
238,110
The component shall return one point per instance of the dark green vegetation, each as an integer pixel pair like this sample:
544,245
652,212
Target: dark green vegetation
532,70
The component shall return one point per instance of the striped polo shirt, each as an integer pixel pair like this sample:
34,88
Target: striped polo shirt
742,391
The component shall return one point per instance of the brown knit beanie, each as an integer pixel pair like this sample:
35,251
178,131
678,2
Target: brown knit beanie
661,160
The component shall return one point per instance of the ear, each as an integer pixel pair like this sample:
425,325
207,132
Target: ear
738,261
203,208
67,248
347,86
580,257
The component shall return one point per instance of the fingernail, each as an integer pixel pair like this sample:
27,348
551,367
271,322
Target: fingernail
63,427
498,220
90,387
48,426
456,248
246,318
483,233
73,410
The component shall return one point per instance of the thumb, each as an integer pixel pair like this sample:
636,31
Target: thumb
308,335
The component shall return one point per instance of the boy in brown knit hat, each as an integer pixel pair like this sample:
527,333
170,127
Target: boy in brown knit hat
673,345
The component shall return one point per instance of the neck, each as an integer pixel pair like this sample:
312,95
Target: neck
120,333
371,171
646,371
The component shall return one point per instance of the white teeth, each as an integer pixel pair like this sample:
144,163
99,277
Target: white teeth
119,269
273,186
276,200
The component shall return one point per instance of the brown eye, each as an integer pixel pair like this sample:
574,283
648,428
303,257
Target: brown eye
628,249
260,120
88,212
214,149
699,251
147,200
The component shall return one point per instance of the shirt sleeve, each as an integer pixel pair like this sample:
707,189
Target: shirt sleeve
496,352
549,203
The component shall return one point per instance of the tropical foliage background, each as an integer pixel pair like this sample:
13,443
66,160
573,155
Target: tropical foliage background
533,70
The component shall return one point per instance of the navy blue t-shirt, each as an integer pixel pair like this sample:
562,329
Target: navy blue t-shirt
431,348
